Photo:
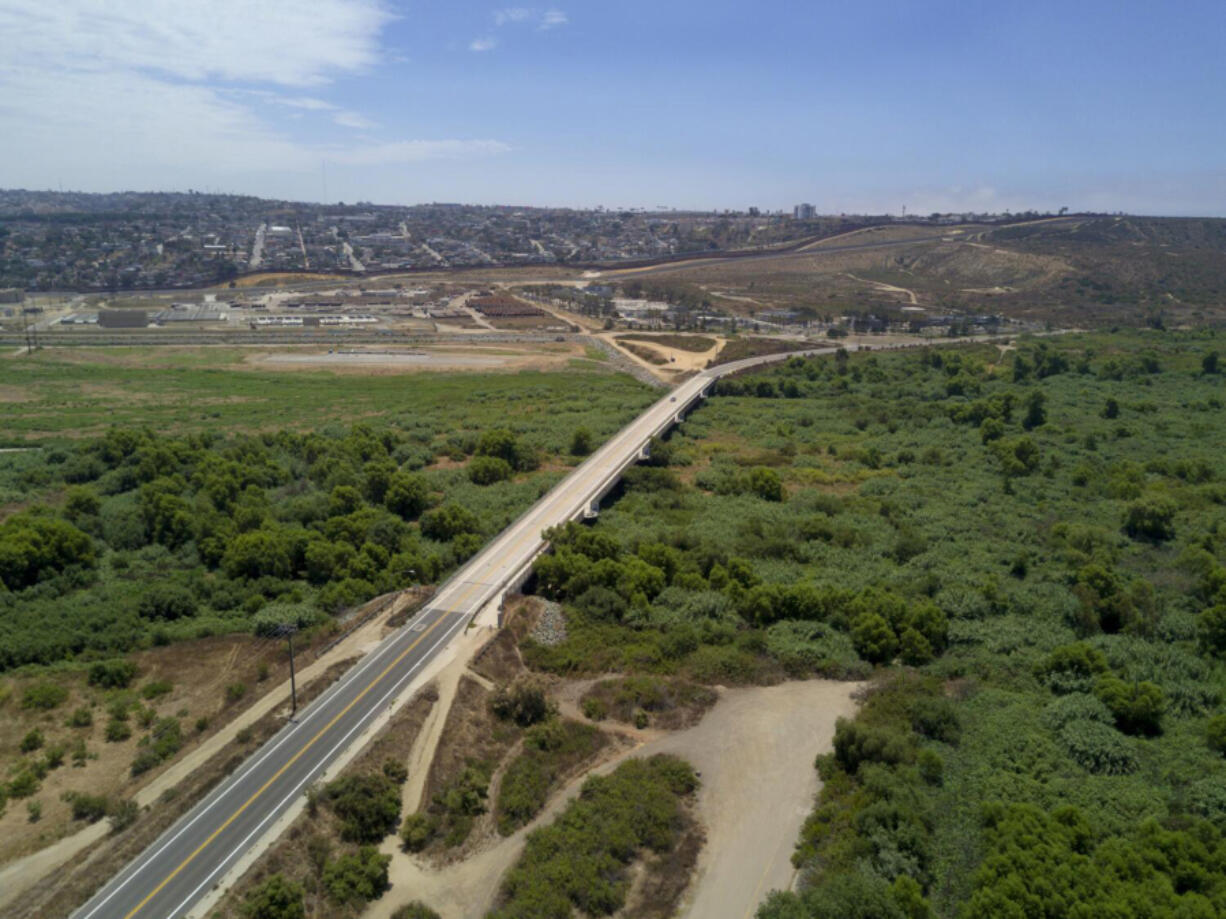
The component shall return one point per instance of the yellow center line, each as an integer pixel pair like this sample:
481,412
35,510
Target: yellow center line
234,816
461,599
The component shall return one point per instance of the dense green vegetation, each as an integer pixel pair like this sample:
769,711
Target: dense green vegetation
146,537
1025,546
552,749
579,862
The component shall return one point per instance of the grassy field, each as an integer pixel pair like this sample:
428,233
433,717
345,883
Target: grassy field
70,394
1023,547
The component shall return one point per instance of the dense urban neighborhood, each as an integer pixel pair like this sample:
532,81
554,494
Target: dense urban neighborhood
128,240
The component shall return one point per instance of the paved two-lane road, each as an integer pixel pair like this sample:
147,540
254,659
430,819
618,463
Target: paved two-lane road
177,871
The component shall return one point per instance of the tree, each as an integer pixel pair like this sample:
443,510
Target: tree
449,521
256,554
1111,409
407,495
499,442
34,548
81,501
766,484
1137,707
1150,518
167,602
486,470
1209,363
1215,734
581,442
276,898
873,638
1211,627
1035,413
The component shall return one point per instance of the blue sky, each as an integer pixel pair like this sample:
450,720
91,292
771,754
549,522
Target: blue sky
861,107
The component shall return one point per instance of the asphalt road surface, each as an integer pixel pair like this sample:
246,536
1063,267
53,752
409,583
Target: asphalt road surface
174,873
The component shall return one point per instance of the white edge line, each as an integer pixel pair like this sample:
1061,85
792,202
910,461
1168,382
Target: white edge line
277,810
234,780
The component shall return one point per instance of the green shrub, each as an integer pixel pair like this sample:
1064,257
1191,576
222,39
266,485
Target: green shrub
1071,668
156,688
1211,628
1098,747
1151,519
44,696
32,741
1215,734
579,861
417,831
368,806
276,898
356,877
23,784
1137,707
112,674
167,602
117,731
486,470
395,770
875,641
80,718
523,702
856,743
91,808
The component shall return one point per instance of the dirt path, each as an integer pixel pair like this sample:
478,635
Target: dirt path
755,750
889,288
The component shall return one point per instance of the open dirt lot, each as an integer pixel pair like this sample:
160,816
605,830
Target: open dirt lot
755,750
388,360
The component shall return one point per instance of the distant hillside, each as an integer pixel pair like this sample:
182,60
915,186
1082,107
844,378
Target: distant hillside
1089,270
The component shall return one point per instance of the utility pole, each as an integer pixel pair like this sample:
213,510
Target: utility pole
288,631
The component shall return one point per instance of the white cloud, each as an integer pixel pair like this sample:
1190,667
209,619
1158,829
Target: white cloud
513,14
542,19
353,120
284,42
483,44
175,93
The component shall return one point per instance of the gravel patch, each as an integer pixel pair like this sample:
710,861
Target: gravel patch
550,628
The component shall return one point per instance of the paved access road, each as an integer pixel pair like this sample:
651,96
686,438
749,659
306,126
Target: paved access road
174,873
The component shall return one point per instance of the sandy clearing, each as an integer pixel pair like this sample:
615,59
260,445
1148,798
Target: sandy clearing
680,361
755,750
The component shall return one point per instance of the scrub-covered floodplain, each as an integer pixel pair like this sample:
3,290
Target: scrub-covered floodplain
1022,545
248,502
